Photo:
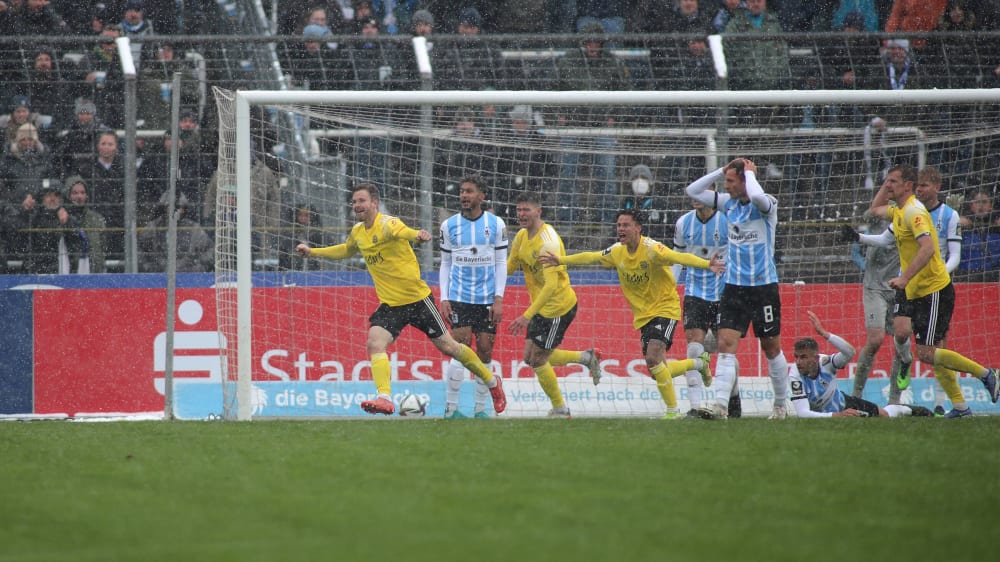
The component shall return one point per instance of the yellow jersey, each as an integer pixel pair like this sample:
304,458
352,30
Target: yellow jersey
389,257
644,276
549,288
909,222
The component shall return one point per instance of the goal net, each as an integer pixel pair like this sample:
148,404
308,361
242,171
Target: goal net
297,327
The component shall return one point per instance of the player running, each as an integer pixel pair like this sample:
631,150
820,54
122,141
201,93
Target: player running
384,243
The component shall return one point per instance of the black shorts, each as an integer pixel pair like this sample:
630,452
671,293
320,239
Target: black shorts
865,406
902,306
700,314
660,329
475,316
547,333
422,315
931,316
761,305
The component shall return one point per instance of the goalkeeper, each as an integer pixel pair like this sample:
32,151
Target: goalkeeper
644,275
384,243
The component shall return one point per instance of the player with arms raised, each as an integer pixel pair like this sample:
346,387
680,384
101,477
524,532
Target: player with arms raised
924,276
384,243
644,275
751,290
473,278
553,303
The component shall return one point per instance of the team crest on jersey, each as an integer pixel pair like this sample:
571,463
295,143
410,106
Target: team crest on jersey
486,232
643,265
375,239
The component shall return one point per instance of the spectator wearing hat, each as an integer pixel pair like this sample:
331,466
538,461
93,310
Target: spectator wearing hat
470,22
53,237
423,23
640,194
135,26
467,63
90,258
51,96
194,168
26,167
155,86
318,62
101,69
20,114
74,149
195,251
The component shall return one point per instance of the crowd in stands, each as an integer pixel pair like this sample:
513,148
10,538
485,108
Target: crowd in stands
63,103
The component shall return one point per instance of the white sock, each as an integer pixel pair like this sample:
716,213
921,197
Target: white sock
693,378
939,394
897,410
903,350
456,376
777,369
482,392
725,378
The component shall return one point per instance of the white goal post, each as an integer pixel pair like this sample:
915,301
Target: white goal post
730,124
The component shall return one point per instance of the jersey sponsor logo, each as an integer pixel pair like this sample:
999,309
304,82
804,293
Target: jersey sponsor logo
635,277
743,237
797,388
374,259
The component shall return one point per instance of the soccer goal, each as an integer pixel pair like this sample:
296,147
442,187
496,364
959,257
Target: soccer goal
288,159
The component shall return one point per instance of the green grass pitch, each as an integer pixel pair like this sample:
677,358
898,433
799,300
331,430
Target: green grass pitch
476,490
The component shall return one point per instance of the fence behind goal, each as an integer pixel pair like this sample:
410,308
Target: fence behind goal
820,153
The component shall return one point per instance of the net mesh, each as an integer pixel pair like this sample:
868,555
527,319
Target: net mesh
822,162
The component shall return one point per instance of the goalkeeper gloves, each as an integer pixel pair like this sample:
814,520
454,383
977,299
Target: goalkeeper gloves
955,201
848,234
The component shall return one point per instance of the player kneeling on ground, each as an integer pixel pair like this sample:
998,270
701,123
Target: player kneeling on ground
813,379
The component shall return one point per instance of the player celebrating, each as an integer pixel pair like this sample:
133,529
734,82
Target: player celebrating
384,243
929,292
553,303
813,380
751,290
644,275
701,232
473,277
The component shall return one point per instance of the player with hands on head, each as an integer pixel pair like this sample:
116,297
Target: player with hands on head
646,281
813,381
473,277
405,299
751,292
553,303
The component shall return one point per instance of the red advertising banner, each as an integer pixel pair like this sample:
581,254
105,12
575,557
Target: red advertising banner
104,350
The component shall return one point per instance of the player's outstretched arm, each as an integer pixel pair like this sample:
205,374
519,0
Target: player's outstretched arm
335,252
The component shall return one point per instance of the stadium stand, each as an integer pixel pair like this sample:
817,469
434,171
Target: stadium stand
72,88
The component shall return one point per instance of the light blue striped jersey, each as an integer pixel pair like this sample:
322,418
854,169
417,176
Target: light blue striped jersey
822,392
703,239
750,256
473,245
945,221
